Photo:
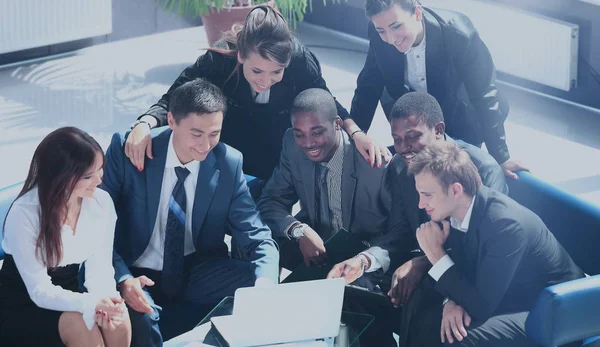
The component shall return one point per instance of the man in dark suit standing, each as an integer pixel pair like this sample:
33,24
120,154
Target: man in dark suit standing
417,122
321,167
502,254
439,52
173,217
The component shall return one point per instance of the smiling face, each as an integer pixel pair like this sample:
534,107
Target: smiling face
439,203
261,73
195,135
86,186
317,137
412,135
399,27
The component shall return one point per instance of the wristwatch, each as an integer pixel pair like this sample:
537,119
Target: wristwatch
138,122
296,232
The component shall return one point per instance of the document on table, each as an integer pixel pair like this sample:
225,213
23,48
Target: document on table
191,338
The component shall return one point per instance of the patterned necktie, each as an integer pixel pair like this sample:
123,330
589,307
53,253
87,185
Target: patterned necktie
322,202
172,273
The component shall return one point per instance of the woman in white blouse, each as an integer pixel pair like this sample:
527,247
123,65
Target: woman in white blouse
59,221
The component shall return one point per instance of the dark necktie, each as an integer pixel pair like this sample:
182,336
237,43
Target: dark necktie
322,202
172,274
456,244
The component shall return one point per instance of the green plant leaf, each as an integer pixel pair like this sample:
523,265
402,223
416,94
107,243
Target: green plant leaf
292,10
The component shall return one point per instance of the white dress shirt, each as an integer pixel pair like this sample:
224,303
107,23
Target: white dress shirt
439,268
152,258
262,98
92,243
416,72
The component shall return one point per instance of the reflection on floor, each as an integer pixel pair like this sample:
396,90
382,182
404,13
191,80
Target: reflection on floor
102,89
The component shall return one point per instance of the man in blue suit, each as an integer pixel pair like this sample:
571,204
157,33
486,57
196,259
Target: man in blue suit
173,217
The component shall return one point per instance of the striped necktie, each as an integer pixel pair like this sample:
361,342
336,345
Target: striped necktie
172,273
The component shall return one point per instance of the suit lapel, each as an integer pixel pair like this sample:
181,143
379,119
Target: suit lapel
435,57
155,170
411,200
348,183
472,237
208,178
396,71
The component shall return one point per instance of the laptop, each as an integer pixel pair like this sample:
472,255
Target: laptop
294,312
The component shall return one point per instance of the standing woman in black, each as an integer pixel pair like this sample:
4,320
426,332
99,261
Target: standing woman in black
260,68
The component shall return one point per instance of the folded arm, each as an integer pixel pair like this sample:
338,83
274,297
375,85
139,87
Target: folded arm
203,67
250,233
394,246
500,260
112,182
312,77
99,271
369,88
21,232
479,76
279,196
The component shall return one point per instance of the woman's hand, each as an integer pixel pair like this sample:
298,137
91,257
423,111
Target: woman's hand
105,322
110,312
139,145
374,153
510,167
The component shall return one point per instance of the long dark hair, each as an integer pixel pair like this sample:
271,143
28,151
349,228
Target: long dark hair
265,32
59,162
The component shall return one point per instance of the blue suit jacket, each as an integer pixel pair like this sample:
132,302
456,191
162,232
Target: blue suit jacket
222,205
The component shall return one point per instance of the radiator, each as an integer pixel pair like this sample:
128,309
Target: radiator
35,23
522,44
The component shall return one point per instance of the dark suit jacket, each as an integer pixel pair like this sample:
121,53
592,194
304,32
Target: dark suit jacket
460,75
365,198
222,204
244,118
508,257
405,198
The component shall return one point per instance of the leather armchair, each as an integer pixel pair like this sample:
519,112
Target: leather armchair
567,313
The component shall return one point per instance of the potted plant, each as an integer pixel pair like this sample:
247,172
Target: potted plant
218,16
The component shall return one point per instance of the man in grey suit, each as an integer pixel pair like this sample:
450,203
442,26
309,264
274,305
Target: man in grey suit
321,168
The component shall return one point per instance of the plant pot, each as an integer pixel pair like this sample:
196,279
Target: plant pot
218,22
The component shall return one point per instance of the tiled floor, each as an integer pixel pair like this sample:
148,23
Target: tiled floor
102,89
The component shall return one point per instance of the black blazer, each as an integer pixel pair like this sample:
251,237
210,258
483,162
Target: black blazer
507,258
254,129
460,75
405,198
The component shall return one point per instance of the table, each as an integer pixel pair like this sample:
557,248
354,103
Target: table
353,325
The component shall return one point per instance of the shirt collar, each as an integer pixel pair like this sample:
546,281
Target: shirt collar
172,161
464,226
335,163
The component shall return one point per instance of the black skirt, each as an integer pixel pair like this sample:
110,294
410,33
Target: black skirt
22,322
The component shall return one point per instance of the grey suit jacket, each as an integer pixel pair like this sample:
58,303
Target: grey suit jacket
365,198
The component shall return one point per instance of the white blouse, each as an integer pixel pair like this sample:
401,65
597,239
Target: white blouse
92,244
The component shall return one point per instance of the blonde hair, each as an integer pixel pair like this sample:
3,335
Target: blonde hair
449,164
